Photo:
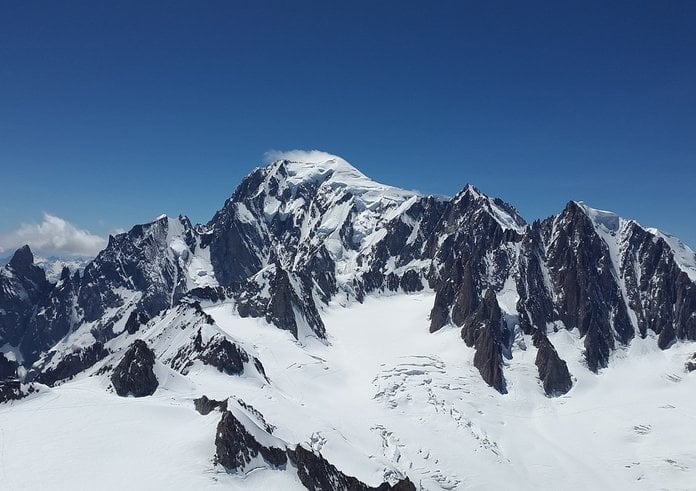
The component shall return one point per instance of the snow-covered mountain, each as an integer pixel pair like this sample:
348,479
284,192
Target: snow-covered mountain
352,335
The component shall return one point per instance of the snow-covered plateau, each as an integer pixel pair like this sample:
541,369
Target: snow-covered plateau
324,331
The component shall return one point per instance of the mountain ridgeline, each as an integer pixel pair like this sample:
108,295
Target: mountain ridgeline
296,236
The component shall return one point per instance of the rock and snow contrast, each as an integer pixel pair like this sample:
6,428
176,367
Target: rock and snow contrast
324,331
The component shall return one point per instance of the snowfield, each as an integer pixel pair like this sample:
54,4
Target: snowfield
382,400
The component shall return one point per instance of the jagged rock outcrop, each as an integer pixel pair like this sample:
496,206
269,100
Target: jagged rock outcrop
54,320
34,313
235,447
690,364
24,289
238,441
583,274
315,472
205,406
209,293
141,260
135,320
8,368
486,330
404,484
660,293
553,372
272,294
473,249
401,260
217,351
227,357
134,375
535,306
72,364
14,390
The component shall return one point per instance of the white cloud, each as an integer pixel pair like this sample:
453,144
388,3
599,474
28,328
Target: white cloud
53,236
309,156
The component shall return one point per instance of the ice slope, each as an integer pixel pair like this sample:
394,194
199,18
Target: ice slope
383,399
341,175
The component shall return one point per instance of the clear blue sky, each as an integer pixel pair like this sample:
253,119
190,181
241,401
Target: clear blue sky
114,112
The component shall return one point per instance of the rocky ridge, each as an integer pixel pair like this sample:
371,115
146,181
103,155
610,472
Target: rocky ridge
296,235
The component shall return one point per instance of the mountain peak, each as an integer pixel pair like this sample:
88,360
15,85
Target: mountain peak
607,219
299,166
504,213
22,264
22,258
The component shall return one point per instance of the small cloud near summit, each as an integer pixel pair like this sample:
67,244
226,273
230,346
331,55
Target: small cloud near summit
309,156
53,236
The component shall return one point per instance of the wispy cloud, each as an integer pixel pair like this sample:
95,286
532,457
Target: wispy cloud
310,156
53,236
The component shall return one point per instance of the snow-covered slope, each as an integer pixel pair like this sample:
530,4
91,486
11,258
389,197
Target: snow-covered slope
384,400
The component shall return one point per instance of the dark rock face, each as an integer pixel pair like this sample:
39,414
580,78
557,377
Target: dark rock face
212,294
473,251
227,357
232,251
218,352
22,263
13,390
396,261
659,292
8,368
23,290
236,447
553,372
535,306
72,364
487,331
267,427
134,375
315,472
403,485
135,320
285,299
137,260
690,364
590,300
54,320
279,311
205,406
34,314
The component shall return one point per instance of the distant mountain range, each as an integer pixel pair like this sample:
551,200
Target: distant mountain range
53,265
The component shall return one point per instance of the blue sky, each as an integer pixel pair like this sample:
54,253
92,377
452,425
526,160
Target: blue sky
114,112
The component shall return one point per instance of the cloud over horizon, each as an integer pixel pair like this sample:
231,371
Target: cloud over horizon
53,236
311,156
